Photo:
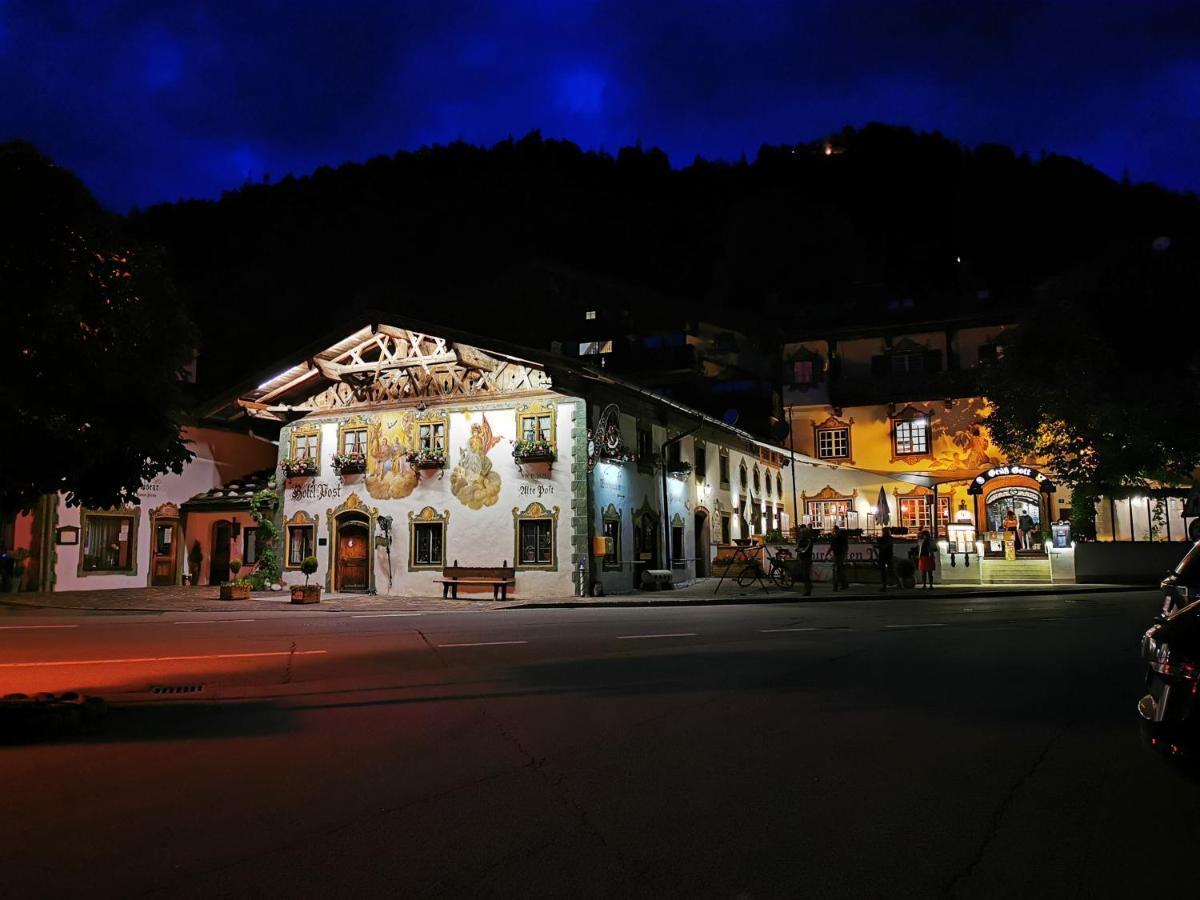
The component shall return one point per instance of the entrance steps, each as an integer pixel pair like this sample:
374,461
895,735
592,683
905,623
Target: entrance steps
1016,571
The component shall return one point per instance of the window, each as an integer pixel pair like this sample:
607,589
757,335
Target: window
724,468
833,443
595,348
427,539
802,371
354,442
432,435
779,485
910,436
824,514
742,472
427,543
590,315
914,512
109,543
249,546
612,546
306,443
701,463
300,544
535,530
535,543
677,560
726,528
768,483
757,481
645,448
535,422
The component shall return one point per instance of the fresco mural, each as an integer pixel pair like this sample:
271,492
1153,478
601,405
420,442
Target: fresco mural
473,480
970,448
389,438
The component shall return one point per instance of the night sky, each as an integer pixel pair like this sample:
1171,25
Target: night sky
151,101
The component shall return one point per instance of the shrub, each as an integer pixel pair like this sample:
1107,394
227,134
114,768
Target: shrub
308,566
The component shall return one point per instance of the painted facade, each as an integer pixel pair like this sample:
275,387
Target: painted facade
402,451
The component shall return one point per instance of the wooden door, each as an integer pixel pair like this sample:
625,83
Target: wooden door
166,551
702,543
352,558
218,566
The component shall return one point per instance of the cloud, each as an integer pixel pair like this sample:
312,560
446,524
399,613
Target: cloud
153,100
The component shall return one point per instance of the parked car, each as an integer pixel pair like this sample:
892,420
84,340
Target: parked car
1182,584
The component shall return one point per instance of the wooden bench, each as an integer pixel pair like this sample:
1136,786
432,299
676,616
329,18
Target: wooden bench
500,578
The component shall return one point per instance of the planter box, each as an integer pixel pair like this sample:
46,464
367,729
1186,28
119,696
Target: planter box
353,468
306,593
535,458
299,472
235,592
430,464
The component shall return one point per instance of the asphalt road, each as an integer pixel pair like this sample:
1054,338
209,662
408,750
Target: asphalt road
905,747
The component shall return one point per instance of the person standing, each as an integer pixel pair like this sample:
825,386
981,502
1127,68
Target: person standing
1025,521
804,557
926,561
884,552
839,548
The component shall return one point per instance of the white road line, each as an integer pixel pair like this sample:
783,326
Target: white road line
921,625
483,644
774,630
382,615
214,621
638,637
26,627
153,659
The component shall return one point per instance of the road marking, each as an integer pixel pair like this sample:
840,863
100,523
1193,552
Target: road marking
25,627
637,637
151,659
214,621
483,644
921,625
382,615
774,630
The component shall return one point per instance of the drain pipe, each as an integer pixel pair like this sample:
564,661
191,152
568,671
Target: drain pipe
666,511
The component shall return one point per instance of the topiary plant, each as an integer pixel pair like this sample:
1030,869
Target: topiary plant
308,566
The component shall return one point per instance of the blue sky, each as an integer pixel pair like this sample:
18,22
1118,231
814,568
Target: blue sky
151,101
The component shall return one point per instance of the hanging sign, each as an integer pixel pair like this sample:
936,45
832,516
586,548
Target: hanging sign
1045,485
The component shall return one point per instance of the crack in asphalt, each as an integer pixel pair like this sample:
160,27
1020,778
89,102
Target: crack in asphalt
998,817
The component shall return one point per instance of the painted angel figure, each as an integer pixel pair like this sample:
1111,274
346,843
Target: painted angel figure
473,482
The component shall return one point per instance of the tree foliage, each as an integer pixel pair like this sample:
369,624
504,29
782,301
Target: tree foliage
93,341
1102,377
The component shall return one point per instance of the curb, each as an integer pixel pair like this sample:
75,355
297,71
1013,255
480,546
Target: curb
907,593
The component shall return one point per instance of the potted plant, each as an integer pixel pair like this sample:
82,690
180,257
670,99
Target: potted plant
307,593
352,463
427,458
298,467
239,588
530,450
680,469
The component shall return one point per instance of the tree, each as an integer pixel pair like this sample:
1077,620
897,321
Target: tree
1102,377
93,344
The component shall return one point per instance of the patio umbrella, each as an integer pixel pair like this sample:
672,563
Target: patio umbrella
883,513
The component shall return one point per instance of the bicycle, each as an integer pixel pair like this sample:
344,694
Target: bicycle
779,574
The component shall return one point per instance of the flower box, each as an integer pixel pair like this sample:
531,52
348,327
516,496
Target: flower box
235,591
349,463
533,451
679,470
306,593
298,468
427,459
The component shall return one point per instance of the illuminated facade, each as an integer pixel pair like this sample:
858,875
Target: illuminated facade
405,448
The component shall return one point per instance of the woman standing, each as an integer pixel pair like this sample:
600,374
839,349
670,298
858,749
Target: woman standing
926,561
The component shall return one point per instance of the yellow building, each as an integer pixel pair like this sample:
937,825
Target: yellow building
902,402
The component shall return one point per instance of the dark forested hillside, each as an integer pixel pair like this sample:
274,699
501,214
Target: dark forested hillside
802,233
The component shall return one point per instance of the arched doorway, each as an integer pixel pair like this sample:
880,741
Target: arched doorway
218,564
646,532
352,557
703,534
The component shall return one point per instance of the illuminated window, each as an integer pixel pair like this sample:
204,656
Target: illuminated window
301,538
911,436
535,422
109,542
590,314
915,512
306,444
833,443
427,539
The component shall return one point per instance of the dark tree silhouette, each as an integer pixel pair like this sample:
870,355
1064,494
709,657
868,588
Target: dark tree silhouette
94,339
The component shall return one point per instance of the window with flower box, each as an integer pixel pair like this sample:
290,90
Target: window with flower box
351,455
537,439
304,457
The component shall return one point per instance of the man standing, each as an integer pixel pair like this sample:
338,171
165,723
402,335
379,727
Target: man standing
884,551
839,547
1025,521
804,555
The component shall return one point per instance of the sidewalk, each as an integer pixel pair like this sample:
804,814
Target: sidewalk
699,593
